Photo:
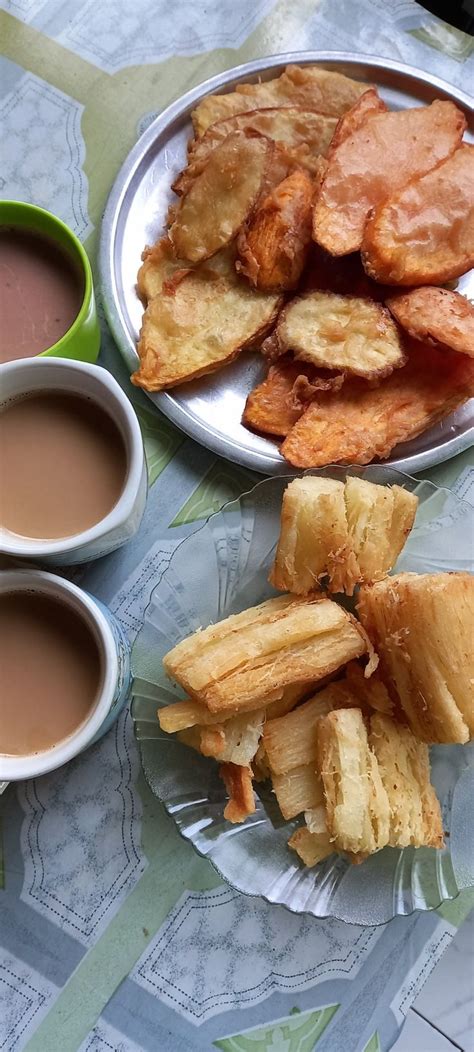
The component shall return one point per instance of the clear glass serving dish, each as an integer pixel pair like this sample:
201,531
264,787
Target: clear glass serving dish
220,570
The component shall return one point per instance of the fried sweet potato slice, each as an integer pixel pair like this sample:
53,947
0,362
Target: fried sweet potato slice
346,333
367,106
438,315
309,86
361,422
374,162
200,325
279,401
424,234
221,197
304,134
274,242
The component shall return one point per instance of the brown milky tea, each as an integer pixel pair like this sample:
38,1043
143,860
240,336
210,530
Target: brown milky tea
50,671
63,465
41,293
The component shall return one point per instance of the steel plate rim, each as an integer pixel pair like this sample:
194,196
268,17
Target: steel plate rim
200,431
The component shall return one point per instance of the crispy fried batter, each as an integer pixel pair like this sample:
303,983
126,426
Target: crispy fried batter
238,783
222,196
159,268
424,234
200,324
376,161
344,333
361,422
422,626
309,86
279,401
274,242
367,106
438,315
304,134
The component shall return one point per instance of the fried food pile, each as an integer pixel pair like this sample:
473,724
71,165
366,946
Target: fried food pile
336,710
316,225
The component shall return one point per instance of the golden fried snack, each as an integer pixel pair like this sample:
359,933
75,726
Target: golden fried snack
304,135
298,790
374,163
238,783
311,847
404,765
422,627
361,422
200,324
181,715
351,533
236,740
290,742
345,333
279,401
273,244
357,806
314,539
368,693
379,519
438,315
367,106
246,661
222,196
159,268
424,234
311,87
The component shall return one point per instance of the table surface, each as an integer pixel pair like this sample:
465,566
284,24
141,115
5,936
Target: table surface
114,934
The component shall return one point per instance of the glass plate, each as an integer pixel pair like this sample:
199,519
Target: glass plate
220,570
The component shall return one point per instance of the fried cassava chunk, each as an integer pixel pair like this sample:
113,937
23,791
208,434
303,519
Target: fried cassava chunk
367,106
438,315
247,660
222,196
304,134
357,806
308,86
290,741
424,234
422,627
344,333
351,533
298,790
362,422
279,401
374,162
311,847
202,322
404,766
273,244
238,783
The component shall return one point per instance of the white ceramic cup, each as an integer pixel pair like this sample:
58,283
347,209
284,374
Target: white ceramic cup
29,375
115,682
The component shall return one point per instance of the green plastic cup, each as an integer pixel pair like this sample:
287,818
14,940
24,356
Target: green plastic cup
82,339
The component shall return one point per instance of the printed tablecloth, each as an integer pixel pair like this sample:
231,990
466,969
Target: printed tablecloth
114,934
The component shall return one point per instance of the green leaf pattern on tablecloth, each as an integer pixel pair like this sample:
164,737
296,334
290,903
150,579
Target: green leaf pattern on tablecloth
447,39
374,1044
160,438
221,483
296,1033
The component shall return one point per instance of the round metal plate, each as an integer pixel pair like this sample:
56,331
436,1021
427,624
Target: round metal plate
210,409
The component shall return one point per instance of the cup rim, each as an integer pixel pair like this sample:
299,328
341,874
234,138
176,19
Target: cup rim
20,545
55,221
15,768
